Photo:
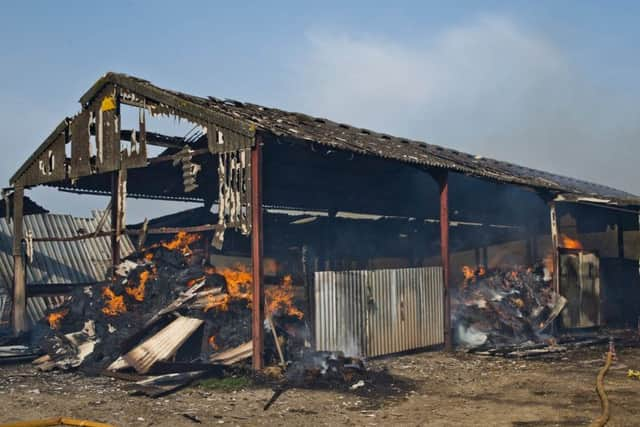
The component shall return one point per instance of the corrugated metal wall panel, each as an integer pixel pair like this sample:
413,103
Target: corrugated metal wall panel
376,312
57,262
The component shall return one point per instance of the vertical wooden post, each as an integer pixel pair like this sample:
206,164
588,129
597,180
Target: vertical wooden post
19,301
118,196
554,247
443,181
257,328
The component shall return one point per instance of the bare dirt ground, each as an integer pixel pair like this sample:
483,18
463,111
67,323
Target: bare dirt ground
423,389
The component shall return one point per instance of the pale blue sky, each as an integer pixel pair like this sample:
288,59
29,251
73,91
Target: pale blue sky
548,84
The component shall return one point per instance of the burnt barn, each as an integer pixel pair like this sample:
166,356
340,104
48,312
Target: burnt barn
385,244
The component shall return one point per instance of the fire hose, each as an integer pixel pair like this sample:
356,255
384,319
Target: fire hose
601,421
65,421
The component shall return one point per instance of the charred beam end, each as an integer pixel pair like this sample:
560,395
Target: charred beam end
175,230
156,139
161,230
55,289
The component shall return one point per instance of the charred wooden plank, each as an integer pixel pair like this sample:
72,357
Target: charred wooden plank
175,230
80,151
234,355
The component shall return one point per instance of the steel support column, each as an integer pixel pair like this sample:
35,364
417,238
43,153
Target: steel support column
443,181
19,300
257,322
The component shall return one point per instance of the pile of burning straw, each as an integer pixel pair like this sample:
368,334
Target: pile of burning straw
495,308
169,311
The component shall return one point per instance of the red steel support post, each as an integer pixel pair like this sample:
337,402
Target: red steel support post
257,327
443,181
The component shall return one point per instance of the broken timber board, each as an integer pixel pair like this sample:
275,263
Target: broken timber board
234,355
178,302
163,384
162,345
124,376
161,368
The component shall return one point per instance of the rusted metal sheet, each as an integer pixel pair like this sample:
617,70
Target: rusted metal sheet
80,150
377,312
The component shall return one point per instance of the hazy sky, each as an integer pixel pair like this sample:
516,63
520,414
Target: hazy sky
550,85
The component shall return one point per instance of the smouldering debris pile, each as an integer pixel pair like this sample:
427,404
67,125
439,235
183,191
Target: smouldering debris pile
498,307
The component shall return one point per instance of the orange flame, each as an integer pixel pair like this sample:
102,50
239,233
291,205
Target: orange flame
137,292
468,272
148,256
212,343
181,242
280,298
569,243
114,304
219,302
55,318
239,282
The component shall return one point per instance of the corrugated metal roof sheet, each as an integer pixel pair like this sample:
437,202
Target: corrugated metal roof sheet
364,141
78,261
243,118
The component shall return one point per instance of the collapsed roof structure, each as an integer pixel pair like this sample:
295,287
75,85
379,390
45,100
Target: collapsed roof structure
245,158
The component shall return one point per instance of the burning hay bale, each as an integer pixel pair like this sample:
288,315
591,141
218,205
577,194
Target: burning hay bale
166,306
495,308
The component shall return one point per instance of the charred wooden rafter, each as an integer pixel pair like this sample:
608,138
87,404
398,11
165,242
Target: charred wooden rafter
152,138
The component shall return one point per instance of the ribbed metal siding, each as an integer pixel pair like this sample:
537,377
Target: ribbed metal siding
58,262
371,313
